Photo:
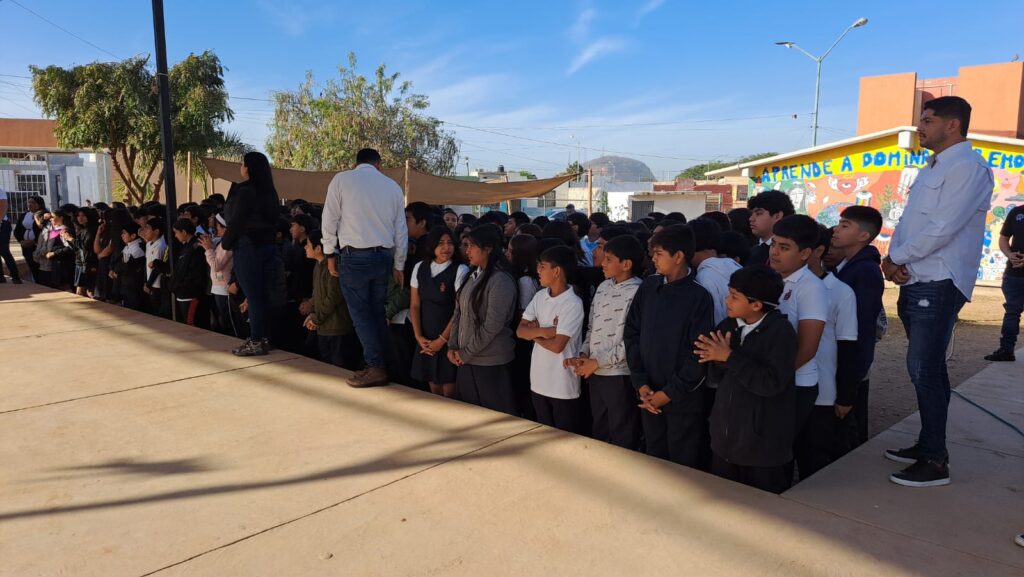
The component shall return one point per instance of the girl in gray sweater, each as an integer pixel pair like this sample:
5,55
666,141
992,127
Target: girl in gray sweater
482,344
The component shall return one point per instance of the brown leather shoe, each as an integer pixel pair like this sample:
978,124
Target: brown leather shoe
368,377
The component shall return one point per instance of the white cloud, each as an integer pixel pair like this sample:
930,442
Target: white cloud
594,50
649,7
581,27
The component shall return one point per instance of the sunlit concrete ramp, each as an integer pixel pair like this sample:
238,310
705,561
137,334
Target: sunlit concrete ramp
135,446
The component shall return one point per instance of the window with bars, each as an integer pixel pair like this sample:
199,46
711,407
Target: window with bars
713,202
742,192
640,208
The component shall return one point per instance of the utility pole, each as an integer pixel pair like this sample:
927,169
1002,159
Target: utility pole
166,138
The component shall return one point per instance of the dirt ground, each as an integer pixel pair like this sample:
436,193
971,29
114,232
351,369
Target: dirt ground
977,334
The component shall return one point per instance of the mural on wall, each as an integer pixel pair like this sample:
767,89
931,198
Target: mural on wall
881,178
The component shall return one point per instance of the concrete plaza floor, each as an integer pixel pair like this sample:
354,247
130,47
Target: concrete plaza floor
135,446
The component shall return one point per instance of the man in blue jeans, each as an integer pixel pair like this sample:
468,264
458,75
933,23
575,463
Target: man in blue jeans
934,257
1011,244
365,238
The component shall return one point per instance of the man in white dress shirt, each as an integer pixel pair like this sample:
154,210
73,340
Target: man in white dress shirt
934,256
365,238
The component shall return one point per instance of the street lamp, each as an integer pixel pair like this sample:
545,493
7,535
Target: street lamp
818,59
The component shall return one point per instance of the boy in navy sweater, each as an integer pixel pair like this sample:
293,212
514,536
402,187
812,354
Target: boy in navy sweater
860,268
751,357
669,311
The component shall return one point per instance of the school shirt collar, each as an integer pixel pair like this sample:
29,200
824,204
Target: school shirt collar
768,242
796,276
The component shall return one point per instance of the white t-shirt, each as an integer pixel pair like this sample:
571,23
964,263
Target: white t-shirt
804,297
841,325
436,269
713,274
565,312
154,252
528,287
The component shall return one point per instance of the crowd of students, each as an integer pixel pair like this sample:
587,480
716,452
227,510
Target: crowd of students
739,344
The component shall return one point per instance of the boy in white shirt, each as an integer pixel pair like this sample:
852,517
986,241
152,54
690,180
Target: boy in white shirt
713,272
602,359
805,303
836,358
554,322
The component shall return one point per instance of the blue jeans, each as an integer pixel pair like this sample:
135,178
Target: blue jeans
255,267
1013,292
928,311
364,284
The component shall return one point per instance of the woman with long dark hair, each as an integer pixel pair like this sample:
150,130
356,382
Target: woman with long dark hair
482,343
54,253
86,262
251,212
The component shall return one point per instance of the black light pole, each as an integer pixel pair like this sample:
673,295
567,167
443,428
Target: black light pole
166,138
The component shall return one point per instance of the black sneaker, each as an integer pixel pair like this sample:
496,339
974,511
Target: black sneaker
250,348
1001,355
910,455
924,473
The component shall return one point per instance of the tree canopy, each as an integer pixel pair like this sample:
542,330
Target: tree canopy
113,106
576,168
696,172
323,126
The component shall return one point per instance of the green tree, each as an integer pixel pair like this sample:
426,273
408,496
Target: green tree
322,126
576,168
113,106
696,172
527,175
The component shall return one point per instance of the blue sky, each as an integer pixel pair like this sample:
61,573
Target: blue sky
525,83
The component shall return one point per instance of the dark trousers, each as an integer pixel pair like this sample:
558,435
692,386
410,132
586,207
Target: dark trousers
194,312
677,436
5,251
520,368
559,413
159,303
225,317
805,397
133,298
814,442
255,267
614,414
402,347
363,276
852,431
928,311
341,351
772,479
487,386
1013,293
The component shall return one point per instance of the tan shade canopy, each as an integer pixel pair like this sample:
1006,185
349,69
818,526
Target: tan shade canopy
418,186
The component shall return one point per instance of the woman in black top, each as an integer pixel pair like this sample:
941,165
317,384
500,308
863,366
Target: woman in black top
85,258
251,212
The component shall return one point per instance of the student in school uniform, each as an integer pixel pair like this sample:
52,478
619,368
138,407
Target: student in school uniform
805,303
190,277
328,314
602,359
554,322
860,269
1011,244
220,262
523,251
669,311
766,209
152,231
128,270
750,357
837,359
713,272
481,343
434,282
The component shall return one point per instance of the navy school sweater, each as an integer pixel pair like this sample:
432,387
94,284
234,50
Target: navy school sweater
662,324
864,275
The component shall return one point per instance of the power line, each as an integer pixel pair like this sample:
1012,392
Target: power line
16,76
640,124
61,28
573,147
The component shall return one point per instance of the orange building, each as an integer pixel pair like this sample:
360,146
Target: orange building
877,167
